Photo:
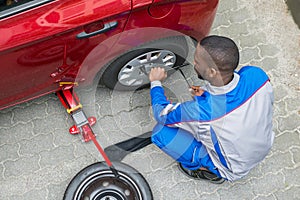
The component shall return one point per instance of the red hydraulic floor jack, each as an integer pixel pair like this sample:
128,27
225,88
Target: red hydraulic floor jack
83,125
102,180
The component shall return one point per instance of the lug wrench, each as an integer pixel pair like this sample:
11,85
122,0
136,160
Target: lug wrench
144,71
181,72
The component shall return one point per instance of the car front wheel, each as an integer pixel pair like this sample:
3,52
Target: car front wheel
130,70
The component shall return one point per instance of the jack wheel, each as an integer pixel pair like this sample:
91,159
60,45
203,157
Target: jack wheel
98,182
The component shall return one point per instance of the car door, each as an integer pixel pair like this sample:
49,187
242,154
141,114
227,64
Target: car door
43,42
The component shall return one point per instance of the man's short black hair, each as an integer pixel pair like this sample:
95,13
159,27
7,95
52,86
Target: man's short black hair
223,51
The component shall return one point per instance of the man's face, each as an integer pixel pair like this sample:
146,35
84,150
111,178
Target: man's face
202,62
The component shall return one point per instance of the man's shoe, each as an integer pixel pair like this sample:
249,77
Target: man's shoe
201,174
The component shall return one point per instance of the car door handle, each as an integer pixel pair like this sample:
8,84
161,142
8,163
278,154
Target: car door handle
107,27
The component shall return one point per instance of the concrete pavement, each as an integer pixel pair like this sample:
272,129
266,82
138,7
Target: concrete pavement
38,157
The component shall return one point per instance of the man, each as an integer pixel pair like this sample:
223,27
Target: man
226,129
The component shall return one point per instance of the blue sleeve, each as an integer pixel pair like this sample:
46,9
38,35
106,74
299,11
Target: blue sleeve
253,73
159,102
187,111
158,96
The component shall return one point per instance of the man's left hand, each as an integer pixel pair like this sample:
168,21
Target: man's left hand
196,90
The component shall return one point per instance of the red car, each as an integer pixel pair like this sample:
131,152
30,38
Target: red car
44,43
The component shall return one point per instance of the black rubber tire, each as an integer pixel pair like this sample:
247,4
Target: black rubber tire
176,44
94,181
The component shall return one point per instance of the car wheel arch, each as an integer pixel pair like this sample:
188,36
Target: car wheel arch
99,58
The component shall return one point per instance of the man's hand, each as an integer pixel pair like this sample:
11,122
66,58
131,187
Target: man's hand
157,74
196,91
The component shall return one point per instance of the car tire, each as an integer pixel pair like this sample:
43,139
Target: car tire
168,52
97,182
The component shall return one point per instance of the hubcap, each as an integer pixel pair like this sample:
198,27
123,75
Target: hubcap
135,72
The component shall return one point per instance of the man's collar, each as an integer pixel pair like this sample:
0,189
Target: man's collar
223,89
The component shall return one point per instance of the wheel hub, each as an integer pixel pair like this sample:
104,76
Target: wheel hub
105,186
135,72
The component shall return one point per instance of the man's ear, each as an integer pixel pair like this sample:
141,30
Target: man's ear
212,72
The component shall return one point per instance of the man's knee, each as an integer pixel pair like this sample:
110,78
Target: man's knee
163,135
156,139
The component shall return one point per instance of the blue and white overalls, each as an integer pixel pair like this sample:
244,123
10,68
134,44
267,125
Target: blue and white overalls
227,129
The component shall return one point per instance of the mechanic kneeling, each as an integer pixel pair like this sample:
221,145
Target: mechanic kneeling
226,130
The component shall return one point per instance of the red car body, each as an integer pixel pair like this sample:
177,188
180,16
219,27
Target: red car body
44,43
